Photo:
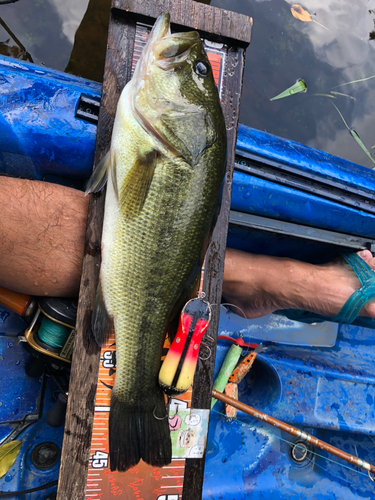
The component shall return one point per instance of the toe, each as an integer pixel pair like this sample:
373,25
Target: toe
366,255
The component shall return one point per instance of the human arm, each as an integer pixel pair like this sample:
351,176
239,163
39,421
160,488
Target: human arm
42,234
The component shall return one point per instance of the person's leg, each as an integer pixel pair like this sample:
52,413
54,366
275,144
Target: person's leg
259,284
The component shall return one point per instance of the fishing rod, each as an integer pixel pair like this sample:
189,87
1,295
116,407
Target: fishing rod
295,432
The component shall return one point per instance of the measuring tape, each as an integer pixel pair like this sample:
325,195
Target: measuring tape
188,427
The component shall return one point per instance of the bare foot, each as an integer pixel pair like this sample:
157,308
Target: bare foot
259,284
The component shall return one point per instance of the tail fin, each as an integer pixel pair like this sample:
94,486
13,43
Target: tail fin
137,432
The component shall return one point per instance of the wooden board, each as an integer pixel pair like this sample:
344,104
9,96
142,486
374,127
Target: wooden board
214,23
85,365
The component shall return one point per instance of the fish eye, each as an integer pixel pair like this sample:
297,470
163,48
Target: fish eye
201,68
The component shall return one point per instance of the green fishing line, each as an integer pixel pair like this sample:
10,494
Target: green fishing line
53,334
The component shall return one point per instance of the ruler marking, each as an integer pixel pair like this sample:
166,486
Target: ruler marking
102,408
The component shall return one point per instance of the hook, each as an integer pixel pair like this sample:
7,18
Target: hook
166,412
209,355
211,339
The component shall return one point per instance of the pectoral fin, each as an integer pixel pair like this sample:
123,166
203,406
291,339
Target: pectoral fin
99,176
114,174
136,184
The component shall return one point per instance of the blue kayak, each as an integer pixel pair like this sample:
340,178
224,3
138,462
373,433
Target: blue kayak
287,200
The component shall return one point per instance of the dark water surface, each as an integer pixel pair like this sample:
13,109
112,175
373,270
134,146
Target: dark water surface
283,50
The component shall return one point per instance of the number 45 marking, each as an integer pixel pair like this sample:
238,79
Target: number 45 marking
99,460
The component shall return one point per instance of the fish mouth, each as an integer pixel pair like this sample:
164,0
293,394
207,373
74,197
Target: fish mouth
162,37
169,48
164,48
161,28
174,49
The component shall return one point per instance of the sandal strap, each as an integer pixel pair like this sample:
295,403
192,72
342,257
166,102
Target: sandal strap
358,299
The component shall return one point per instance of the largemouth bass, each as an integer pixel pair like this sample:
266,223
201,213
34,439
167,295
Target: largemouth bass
165,170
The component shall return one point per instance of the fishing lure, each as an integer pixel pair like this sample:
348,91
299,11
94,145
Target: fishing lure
177,372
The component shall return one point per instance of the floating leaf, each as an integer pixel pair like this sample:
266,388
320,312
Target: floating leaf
355,136
302,15
8,455
299,86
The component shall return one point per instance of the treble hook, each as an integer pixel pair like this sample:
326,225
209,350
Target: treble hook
166,412
209,355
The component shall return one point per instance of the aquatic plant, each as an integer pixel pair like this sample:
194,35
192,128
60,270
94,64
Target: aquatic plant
355,136
299,86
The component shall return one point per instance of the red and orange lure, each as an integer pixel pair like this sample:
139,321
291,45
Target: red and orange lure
177,372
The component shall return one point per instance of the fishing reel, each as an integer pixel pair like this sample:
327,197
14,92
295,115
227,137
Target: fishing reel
50,335
49,339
